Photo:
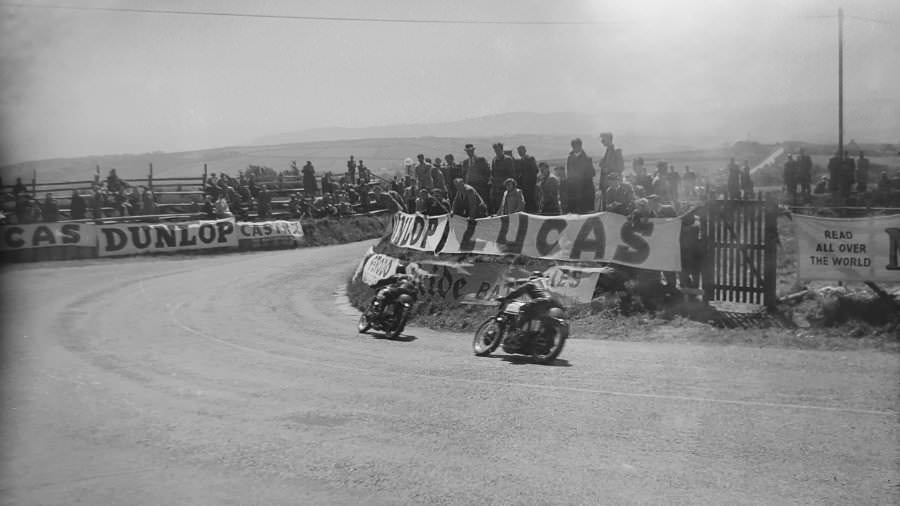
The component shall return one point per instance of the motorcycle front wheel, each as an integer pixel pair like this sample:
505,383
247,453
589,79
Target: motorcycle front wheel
401,324
550,343
487,338
363,324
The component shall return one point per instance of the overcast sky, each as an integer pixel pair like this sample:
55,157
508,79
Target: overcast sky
88,82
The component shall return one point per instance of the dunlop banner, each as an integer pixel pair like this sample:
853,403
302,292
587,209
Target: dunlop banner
419,232
378,267
848,249
138,238
43,235
601,237
269,234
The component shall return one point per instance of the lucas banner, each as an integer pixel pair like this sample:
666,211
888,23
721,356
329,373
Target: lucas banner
44,235
848,249
138,238
601,237
269,234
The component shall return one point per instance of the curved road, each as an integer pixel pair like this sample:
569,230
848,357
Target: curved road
240,379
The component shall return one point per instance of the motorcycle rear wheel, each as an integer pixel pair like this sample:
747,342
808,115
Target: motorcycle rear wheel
487,338
558,334
398,329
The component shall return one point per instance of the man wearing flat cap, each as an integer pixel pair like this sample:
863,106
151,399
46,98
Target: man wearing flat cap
476,172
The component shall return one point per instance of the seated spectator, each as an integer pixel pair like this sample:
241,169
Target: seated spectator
148,203
77,206
209,207
222,209
50,209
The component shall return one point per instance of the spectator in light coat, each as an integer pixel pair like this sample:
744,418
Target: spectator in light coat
468,203
513,199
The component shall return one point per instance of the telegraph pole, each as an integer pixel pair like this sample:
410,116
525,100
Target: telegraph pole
841,83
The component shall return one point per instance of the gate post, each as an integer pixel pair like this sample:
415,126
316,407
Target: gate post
771,252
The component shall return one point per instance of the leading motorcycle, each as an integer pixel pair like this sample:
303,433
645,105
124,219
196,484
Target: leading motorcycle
389,318
542,338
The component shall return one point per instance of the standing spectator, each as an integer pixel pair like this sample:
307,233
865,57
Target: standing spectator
746,181
611,162
835,167
643,182
848,173
660,186
451,171
691,252
791,173
468,202
862,173
526,178
77,206
580,179
674,183
513,198
476,172
113,183
424,172
97,202
565,206
50,209
264,202
363,174
19,188
309,179
547,191
502,168
734,180
804,174
437,175
689,183
294,170
351,170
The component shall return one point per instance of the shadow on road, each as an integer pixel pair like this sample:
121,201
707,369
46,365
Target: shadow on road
521,360
403,338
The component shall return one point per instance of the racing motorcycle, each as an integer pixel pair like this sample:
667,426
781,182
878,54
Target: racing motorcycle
543,337
389,318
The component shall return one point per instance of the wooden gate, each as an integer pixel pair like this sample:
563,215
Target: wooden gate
741,238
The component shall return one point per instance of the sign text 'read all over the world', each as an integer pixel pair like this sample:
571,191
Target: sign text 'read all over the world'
602,237
848,249
44,235
138,238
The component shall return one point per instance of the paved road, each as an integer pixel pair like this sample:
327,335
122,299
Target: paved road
237,379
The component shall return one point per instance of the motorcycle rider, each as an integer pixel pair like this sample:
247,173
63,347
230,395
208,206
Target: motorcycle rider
393,286
537,288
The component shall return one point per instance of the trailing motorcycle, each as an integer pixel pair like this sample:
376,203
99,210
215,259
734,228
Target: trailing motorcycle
543,337
389,318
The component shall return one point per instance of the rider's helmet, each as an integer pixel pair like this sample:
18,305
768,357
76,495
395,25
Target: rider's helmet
535,275
401,269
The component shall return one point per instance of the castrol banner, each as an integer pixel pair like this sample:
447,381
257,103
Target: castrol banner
140,238
269,234
45,235
848,249
601,237
377,267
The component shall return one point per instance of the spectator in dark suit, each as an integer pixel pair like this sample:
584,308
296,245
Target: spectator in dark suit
77,206
526,178
502,168
547,191
580,174
476,172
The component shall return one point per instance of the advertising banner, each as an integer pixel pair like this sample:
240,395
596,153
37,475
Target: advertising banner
572,284
482,282
848,249
269,234
139,238
419,232
601,237
44,235
378,267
